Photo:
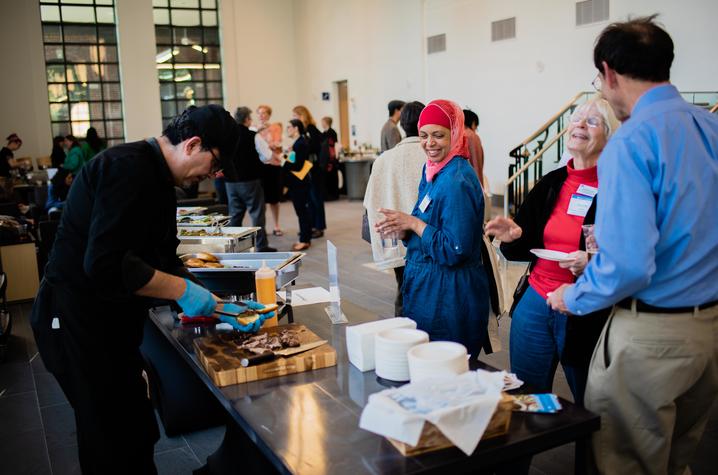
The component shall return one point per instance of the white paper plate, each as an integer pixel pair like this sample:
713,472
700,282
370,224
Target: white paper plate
550,255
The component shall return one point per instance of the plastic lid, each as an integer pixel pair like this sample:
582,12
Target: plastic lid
265,272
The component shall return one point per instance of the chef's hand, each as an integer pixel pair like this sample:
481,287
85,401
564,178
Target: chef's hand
196,301
504,229
575,262
555,300
398,223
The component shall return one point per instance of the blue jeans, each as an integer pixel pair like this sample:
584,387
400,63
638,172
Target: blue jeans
246,196
536,342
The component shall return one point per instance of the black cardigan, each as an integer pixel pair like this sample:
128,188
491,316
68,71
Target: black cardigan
581,332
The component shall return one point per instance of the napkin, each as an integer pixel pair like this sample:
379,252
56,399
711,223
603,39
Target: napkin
459,406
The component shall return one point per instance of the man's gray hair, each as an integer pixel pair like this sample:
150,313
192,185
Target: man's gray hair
241,114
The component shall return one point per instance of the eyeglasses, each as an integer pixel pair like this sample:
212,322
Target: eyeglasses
596,83
591,121
216,166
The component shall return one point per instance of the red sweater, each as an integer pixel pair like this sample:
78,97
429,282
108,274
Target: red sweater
562,233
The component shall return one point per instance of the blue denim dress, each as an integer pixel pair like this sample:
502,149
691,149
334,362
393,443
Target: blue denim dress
445,285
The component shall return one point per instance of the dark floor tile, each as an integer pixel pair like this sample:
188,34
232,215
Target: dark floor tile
19,414
204,442
49,391
176,462
24,453
59,421
38,366
16,350
65,460
15,378
168,443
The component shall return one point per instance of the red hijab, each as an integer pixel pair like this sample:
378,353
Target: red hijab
446,114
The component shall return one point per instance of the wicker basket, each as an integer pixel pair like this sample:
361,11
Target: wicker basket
432,439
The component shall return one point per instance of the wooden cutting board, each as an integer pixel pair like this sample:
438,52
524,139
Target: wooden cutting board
221,358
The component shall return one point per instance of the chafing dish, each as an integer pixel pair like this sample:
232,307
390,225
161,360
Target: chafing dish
237,275
232,239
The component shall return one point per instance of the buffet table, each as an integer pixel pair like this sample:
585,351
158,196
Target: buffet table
309,422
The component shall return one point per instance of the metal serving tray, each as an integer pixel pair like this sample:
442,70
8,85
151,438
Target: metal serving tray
235,239
237,277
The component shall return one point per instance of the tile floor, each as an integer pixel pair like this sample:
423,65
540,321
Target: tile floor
37,434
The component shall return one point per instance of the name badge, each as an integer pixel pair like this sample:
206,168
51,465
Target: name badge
587,190
579,204
424,203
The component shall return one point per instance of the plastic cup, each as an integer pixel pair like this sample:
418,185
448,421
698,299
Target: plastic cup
590,238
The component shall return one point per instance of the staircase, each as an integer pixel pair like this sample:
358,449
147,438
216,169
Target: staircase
541,151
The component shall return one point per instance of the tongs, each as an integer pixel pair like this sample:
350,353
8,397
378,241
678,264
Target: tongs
270,307
212,319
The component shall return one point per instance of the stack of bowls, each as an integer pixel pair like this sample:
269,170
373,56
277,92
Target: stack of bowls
438,358
391,347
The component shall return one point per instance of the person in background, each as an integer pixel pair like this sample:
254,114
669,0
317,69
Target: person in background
327,130
328,158
58,189
75,158
551,217
445,286
299,184
271,171
243,178
318,189
654,375
476,151
390,134
57,156
7,157
394,184
93,144
114,253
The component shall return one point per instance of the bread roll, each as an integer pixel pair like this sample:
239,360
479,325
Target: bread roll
194,262
206,256
214,265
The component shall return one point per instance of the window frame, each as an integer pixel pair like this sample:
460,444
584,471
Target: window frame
177,104
102,82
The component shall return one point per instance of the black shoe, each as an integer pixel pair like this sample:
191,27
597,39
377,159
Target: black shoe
267,249
317,233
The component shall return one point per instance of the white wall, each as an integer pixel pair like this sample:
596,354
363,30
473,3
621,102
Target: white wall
375,45
23,88
258,55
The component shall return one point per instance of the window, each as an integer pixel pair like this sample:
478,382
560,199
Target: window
83,75
188,54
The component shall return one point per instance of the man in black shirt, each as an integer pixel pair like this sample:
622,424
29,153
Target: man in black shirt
115,250
243,178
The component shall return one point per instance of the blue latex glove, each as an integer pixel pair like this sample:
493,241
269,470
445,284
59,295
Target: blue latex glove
251,327
196,301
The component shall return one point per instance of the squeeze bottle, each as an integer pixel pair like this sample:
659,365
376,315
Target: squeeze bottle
264,279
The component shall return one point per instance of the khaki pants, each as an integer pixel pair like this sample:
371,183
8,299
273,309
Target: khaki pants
653,380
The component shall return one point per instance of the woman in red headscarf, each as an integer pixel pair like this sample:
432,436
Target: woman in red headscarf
445,286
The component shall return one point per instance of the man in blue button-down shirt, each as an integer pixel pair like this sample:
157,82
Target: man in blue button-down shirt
654,373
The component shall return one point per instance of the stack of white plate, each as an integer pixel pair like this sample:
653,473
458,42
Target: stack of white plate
438,358
390,348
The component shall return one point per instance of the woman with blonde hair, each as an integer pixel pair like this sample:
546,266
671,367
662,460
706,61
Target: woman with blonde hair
552,217
318,190
271,171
